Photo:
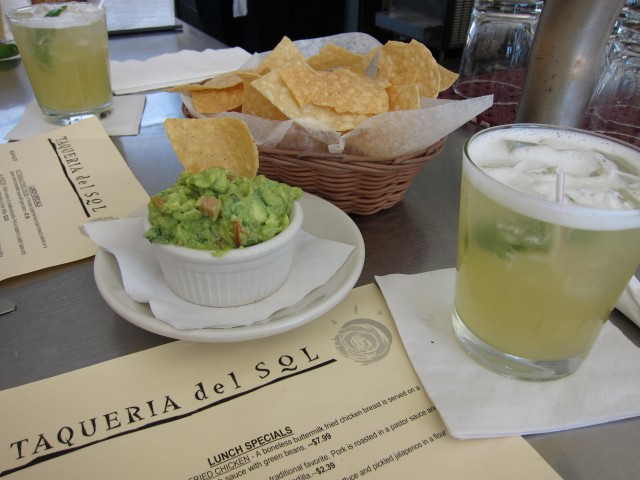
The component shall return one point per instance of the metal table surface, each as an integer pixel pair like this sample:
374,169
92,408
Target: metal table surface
62,323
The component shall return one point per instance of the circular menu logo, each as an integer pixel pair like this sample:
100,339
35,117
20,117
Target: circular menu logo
363,340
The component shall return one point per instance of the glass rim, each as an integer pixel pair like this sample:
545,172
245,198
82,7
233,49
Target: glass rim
523,7
11,17
547,210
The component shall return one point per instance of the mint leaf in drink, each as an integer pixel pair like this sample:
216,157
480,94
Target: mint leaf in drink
507,237
56,11
486,237
42,38
516,144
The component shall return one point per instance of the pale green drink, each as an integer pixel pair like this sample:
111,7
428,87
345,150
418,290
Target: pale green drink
549,236
66,57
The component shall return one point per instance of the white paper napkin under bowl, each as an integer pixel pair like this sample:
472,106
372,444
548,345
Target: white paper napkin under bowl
475,402
315,261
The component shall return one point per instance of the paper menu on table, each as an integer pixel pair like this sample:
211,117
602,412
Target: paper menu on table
335,399
52,184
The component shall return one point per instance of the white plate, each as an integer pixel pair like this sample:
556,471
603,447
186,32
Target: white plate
321,219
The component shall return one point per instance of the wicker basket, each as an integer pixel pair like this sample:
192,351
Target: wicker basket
358,185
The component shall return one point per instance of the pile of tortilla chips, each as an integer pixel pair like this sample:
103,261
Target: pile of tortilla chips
336,87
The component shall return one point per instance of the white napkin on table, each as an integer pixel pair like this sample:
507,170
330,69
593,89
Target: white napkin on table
315,261
170,69
475,402
123,120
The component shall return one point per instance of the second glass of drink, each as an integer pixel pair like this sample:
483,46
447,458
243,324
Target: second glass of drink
65,52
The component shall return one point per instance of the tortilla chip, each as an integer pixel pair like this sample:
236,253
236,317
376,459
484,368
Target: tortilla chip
215,101
302,81
247,75
404,97
340,89
340,122
366,60
225,80
187,87
223,142
332,56
398,57
257,104
275,91
409,76
346,91
219,82
447,78
286,54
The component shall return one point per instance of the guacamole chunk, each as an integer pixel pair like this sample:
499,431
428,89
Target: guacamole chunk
214,210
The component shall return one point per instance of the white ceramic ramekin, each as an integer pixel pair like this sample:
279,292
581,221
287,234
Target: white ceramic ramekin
239,277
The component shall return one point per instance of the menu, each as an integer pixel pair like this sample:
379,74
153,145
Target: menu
336,399
52,184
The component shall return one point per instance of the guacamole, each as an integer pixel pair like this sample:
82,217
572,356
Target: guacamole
217,211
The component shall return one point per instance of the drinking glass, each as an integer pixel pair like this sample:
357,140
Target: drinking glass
614,108
549,236
496,53
64,48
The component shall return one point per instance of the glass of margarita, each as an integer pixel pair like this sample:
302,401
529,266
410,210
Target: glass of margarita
64,47
549,236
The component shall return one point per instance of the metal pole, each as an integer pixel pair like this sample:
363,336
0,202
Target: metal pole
567,53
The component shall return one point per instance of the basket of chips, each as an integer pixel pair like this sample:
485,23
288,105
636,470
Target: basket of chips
343,117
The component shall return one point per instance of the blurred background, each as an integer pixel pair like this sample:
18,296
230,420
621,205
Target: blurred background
258,25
